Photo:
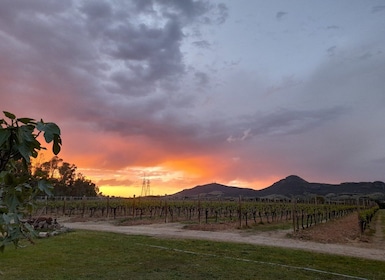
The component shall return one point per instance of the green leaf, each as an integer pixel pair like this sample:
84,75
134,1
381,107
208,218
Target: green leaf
51,133
56,144
45,187
4,136
25,151
9,115
50,130
7,218
25,133
26,120
30,228
14,203
40,125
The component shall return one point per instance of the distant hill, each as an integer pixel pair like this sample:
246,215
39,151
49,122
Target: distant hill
216,190
288,187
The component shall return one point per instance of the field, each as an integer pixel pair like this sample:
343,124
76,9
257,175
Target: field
84,254
99,255
245,212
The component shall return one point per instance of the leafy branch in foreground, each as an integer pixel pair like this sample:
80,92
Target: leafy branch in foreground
18,143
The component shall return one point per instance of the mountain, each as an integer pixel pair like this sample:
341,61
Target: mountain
216,190
291,185
294,185
287,187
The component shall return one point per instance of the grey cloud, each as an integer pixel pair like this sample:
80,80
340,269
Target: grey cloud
43,46
94,49
144,42
97,9
157,50
280,15
286,122
346,79
331,50
202,44
202,78
366,55
189,8
377,9
186,10
12,11
222,13
149,54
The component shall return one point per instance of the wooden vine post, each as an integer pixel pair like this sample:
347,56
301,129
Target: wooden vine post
133,206
83,205
294,214
108,206
165,208
199,209
64,205
240,211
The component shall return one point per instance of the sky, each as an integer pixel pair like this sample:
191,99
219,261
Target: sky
179,93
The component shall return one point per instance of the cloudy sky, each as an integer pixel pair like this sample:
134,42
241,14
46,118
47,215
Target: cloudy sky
188,92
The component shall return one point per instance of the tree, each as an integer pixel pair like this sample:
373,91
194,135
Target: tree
64,178
18,143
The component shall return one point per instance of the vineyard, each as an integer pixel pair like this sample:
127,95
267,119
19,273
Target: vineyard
243,213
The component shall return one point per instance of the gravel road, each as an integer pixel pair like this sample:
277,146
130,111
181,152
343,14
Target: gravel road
176,230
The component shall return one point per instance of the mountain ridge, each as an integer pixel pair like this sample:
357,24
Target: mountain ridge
290,186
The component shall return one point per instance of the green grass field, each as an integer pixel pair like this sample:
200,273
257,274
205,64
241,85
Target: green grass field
97,255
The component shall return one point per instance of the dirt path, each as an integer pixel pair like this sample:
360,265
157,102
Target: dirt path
277,239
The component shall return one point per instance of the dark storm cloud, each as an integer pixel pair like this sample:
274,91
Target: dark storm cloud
95,51
146,53
107,67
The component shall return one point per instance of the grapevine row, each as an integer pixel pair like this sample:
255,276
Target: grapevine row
245,213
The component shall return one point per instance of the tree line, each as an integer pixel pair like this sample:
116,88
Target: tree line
64,178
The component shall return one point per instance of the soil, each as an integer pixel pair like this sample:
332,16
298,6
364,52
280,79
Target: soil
343,231
341,236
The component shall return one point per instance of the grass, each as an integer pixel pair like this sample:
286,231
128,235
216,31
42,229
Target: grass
97,255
